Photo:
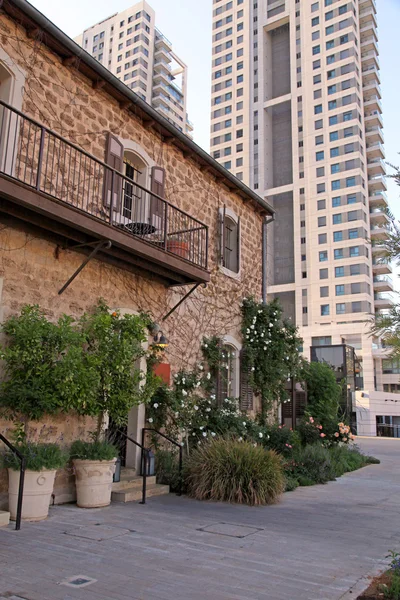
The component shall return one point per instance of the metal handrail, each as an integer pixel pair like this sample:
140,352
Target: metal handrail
166,437
177,218
144,462
22,460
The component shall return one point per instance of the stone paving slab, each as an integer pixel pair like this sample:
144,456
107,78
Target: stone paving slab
319,543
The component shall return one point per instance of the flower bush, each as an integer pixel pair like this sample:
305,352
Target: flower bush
226,470
271,347
311,432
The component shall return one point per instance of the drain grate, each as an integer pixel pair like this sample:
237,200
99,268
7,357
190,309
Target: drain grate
78,581
231,530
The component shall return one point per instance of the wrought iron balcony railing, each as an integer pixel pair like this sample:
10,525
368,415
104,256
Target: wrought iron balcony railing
43,160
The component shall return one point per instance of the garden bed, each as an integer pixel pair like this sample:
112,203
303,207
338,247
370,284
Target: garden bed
375,590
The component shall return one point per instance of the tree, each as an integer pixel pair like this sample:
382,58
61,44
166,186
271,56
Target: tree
323,394
387,326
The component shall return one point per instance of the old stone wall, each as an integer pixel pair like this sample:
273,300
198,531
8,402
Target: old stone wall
33,268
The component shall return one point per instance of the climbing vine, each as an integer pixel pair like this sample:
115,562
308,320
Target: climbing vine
271,354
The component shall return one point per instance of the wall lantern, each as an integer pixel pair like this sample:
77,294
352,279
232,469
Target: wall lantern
160,341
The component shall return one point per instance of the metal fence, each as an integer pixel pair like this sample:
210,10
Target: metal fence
43,160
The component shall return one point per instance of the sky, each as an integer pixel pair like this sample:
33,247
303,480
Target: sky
187,23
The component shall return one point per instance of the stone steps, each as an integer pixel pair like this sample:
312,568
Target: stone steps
127,481
4,518
132,494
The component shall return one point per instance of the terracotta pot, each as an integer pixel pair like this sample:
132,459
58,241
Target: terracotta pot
178,248
38,488
94,482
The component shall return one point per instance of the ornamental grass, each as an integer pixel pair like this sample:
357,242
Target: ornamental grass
226,470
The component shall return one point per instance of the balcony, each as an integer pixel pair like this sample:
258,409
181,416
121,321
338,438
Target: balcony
162,41
55,185
380,232
369,42
162,66
372,87
162,54
375,149
381,266
377,182
383,283
378,215
370,75
374,134
373,118
376,166
378,199
368,17
383,300
372,103
364,4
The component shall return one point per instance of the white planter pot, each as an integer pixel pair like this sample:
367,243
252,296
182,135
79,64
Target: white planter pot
94,482
38,488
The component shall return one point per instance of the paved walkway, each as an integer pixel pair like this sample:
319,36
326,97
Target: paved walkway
317,544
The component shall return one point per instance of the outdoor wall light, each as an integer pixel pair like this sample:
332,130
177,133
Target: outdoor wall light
160,340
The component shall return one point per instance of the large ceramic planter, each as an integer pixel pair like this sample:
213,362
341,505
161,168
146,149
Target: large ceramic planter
38,488
93,482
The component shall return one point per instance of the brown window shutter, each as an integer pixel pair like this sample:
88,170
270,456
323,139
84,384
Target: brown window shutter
238,246
222,236
115,159
157,207
246,390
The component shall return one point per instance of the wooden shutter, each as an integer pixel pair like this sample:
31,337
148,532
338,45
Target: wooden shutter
221,215
246,389
115,159
238,246
157,207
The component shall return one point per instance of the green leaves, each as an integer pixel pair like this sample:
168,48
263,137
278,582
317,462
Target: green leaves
38,457
90,366
272,350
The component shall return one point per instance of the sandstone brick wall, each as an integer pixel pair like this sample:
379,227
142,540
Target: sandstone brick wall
32,271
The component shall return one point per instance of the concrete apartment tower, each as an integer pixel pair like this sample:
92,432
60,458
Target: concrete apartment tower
296,114
134,50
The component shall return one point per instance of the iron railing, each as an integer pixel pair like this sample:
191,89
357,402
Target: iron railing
145,462
22,467
175,443
41,159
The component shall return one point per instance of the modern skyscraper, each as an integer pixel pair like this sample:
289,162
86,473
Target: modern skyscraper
132,48
296,114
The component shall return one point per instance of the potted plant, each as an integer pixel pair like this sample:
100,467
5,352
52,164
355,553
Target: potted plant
114,345
42,463
94,465
178,247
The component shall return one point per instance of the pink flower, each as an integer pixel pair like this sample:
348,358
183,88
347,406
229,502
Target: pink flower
319,426
336,434
311,420
280,427
322,435
345,439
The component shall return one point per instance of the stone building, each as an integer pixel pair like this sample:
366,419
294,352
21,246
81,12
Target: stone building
87,166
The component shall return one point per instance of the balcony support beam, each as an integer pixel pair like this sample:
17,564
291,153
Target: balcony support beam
103,244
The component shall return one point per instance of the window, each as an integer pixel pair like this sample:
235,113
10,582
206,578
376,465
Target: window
322,238
339,289
347,116
355,270
314,21
319,124
317,64
331,74
337,219
320,188
321,221
321,204
320,171
339,271
332,89
334,152
342,9
335,185
356,307
333,136
338,253
348,132
314,6
352,215
340,309
324,291
228,164
323,273
336,201
319,140
321,341
329,15
316,50
348,148
355,288
323,256
330,44
350,181
335,168
333,120
338,236
351,199
317,109
324,310
230,242
317,79
330,29
353,234
332,104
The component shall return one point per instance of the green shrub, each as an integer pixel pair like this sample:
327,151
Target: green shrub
313,463
281,439
371,460
96,450
167,469
291,483
308,431
232,471
38,457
